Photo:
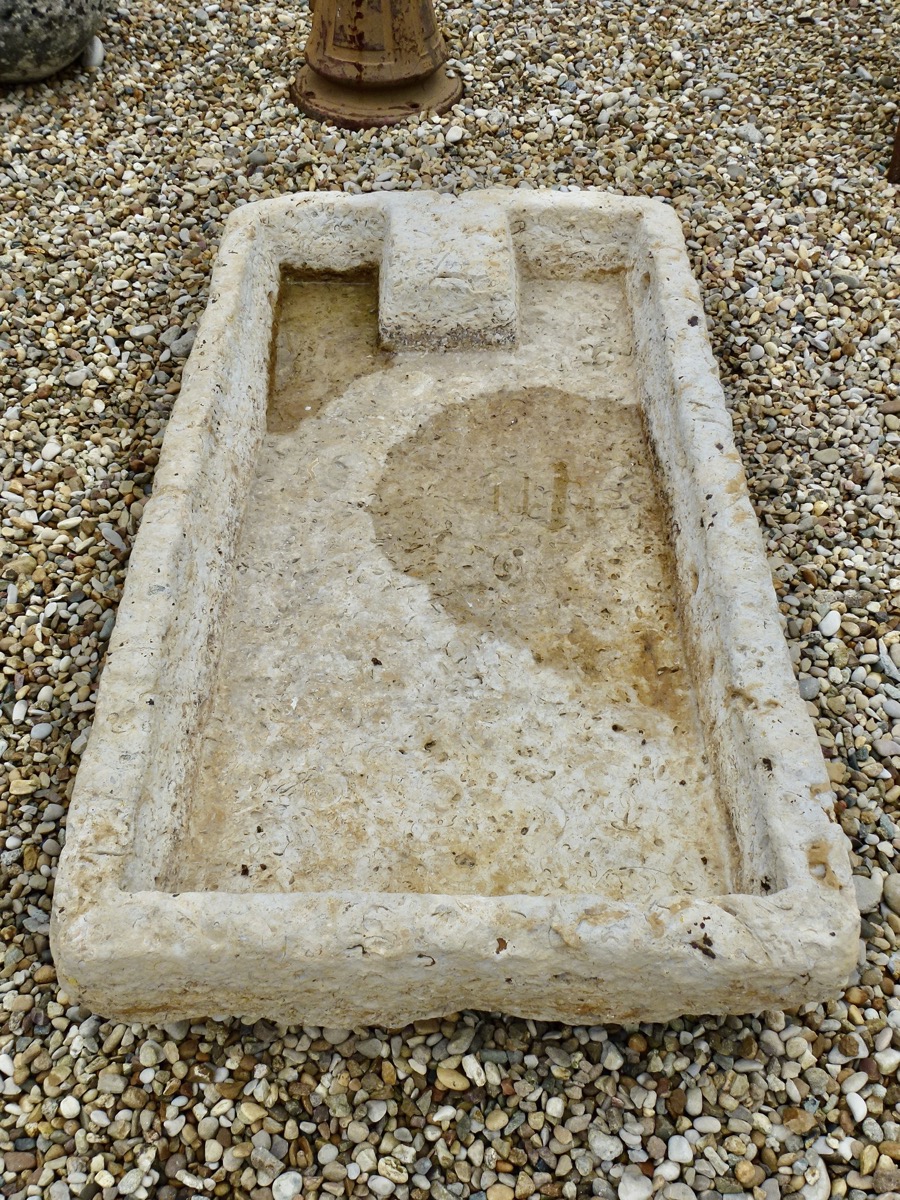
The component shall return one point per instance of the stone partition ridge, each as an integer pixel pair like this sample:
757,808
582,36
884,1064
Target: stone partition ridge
449,672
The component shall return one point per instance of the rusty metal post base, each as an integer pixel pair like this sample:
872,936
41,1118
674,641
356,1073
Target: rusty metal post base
374,62
353,107
893,175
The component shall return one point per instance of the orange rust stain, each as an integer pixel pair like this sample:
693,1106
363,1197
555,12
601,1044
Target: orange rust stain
818,856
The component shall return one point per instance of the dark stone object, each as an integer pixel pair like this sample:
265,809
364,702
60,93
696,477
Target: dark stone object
39,37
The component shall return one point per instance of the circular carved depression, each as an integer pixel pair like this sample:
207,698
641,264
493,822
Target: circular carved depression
533,515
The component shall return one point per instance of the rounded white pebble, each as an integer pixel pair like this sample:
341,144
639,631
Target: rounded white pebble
93,55
288,1186
380,1186
857,1106
707,1124
820,1188
680,1150
888,1061
830,624
69,1107
131,1181
694,1105
634,1185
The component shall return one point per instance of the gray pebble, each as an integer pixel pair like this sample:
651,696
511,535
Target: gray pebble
369,1047
868,891
809,687
750,133
891,892
183,345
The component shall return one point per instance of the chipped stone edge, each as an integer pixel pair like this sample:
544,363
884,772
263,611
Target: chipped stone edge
357,957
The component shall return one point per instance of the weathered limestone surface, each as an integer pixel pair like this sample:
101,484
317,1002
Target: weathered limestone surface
449,671
40,37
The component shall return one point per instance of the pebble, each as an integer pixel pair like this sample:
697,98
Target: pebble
474,1070
131,1181
891,892
868,891
288,1186
707,1124
380,1186
605,1145
248,1112
634,1185
181,348
93,55
809,688
453,1080
888,1060
679,1191
680,1150
357,1132
694,1102
830,624
819,1187
613,1060
369,1047
750,133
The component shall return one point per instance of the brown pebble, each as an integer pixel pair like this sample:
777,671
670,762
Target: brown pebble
747,1173
798,1120
870,1066
19,1160
887,1179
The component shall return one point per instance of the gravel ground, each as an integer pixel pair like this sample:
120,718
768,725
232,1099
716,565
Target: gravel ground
768,129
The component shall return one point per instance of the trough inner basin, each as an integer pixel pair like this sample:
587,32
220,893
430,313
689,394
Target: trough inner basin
453,637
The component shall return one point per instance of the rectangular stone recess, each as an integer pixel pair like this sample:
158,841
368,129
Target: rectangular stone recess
449,671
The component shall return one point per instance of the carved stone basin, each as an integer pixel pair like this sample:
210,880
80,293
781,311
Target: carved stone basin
449,671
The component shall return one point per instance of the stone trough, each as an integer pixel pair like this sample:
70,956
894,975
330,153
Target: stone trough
449,672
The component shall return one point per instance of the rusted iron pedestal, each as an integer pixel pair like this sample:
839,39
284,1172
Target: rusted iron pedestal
374,62
893,175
